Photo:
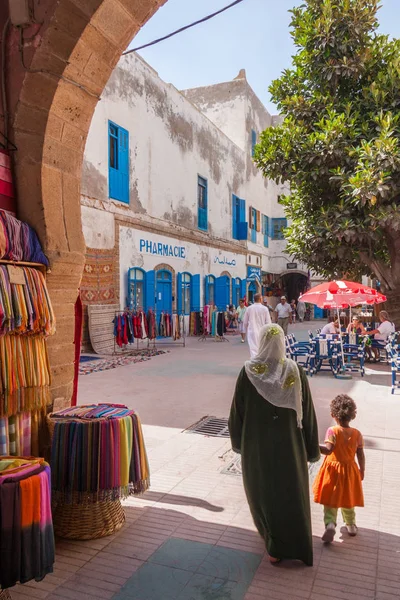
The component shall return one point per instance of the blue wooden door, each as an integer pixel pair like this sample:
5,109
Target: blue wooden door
164,292
252,291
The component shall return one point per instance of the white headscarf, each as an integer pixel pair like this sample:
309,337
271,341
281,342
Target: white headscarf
275,377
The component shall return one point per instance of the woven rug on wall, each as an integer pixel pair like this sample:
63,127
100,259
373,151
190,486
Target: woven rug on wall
98,280
101,328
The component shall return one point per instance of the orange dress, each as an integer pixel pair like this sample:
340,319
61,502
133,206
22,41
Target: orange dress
338,483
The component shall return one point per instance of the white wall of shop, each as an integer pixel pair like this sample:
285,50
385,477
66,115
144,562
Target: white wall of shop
148,250
171,143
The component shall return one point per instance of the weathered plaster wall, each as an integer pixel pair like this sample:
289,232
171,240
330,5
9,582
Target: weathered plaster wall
171,143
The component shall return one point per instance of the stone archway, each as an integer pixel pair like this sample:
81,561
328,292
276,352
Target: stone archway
54,84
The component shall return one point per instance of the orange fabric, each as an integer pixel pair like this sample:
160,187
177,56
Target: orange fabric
338,483
30,501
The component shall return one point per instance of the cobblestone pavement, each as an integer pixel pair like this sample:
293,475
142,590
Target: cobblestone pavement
191,536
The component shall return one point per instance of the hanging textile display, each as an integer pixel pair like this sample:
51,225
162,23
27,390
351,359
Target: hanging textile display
178,327
24,374
7,192
98,454
24,307
18,241
197,325
133,325
26,529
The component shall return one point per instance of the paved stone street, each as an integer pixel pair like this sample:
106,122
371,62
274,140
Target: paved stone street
191,536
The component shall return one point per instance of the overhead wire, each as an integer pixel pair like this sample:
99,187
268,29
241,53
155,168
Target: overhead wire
166,37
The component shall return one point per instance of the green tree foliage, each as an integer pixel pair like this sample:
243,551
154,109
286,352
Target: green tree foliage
338,145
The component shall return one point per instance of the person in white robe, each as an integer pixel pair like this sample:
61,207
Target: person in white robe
257,315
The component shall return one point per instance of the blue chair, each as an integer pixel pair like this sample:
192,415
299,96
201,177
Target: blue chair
394,359
324,356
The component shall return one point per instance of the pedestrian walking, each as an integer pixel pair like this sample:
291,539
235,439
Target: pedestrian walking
273,426
338,483
241,311
294,310
301,310
284,312
255,317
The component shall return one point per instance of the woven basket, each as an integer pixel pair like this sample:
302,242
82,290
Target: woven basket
88,521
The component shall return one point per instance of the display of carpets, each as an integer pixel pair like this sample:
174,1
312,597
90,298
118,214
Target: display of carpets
24,307
110,438
118,361
26,533
18,241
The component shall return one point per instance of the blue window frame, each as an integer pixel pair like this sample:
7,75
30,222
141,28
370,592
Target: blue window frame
253,141
253,224
118,163
137,288
236,290
202,203
239,225
265,230
209,290
277,228
184,293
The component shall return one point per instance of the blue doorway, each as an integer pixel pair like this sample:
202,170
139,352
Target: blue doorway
252,291
164,292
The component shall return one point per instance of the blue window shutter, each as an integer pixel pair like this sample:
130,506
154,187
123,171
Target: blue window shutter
234,220
123,155
243,229
234,291
220,293
179,293
243,289
206,291
150,290
119,173
195,295
242,210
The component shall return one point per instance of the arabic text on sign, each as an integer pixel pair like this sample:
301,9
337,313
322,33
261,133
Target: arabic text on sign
224,261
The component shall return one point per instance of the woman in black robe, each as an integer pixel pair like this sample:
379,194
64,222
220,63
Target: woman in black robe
273,426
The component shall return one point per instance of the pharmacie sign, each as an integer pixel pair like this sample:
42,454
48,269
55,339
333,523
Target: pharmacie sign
161,249
254,274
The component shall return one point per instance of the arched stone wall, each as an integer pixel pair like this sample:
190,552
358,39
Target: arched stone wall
51,102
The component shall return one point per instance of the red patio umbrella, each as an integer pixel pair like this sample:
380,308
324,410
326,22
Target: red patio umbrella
342,294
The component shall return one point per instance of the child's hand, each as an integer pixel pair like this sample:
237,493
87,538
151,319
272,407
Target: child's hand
362,475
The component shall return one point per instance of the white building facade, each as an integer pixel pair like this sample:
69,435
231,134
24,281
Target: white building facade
172,201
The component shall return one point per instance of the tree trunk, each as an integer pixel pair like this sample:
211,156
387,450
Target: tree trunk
393,305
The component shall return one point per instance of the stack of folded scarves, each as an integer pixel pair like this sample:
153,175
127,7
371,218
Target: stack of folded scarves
18,241
25,308
98,454
20,433
26,529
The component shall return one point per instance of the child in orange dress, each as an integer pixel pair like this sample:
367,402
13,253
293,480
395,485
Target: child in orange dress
338,483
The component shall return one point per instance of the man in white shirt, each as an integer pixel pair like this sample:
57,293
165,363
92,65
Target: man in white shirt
256,316
330,328
284,311
385,329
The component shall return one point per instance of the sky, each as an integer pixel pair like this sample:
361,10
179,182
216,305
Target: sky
253,35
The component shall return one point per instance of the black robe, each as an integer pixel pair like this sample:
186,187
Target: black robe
274,453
